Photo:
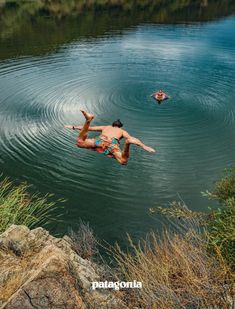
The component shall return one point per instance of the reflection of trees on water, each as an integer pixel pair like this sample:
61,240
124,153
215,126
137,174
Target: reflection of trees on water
51,23
204,3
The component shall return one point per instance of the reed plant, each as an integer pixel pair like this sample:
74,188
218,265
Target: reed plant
84,241
19,207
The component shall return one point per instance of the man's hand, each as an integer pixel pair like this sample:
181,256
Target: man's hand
149,149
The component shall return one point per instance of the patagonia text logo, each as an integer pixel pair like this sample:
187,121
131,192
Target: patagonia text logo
116,285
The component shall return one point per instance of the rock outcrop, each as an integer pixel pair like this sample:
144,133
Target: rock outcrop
40,271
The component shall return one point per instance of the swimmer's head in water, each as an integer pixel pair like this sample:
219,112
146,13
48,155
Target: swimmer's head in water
117,123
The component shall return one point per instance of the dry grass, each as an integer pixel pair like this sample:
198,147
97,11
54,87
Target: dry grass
84,241
176,272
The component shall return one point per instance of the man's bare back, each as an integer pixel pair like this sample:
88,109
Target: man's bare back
111,132
108,141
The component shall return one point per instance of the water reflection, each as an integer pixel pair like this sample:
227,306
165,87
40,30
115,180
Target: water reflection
39,27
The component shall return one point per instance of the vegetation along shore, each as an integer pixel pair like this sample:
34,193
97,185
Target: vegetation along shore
189,265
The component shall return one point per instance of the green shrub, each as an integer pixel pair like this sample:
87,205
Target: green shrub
221,222
225,188
221,231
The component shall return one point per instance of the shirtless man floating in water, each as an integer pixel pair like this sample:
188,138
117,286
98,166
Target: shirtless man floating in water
109,140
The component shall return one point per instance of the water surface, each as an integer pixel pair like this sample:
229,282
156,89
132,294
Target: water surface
112,75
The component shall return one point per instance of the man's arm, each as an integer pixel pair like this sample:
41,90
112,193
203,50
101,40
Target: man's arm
136,141
97,128
125,134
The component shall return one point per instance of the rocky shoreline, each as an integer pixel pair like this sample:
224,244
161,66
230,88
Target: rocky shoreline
40,271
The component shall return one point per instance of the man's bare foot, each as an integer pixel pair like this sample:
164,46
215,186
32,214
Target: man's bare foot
88,116
149,149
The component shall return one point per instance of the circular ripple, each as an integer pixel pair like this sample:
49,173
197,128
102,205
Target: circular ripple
113,77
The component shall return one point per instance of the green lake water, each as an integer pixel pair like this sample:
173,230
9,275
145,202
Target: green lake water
109,63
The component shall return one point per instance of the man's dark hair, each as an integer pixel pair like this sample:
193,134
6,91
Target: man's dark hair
117,123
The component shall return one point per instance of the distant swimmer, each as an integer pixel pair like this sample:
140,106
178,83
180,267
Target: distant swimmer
160,96
108,142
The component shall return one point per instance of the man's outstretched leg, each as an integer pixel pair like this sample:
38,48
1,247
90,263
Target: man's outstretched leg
82,140
126,152
122,157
